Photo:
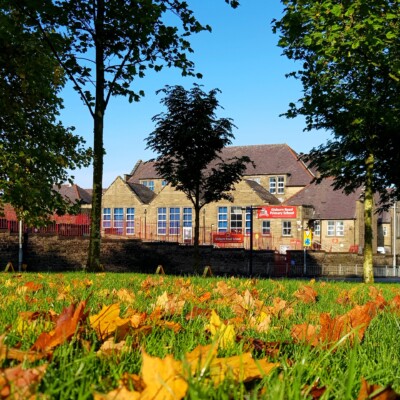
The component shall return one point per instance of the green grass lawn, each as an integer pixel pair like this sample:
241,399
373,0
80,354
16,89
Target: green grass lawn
131,336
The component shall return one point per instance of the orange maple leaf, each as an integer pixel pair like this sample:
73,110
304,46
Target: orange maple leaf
306,294
376,392
66,326
107,321
163,378
18,383
331,330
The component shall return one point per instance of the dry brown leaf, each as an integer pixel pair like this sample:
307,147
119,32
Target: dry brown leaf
18,383
33,287
198,312
66,327
376,392
150,282
306,294
169,304
331,330
204,297
163,378
124,295
110,348
17,354
121,393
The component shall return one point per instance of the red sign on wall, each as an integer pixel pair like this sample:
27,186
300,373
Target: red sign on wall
277,212
227,237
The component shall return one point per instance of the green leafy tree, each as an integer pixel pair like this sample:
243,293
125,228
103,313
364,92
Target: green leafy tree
35,149
188,140
110,44
350,75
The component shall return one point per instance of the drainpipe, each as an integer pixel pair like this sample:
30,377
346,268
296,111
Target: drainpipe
394,234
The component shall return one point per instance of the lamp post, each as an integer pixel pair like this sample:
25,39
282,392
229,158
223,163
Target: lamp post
145,222
204,226
250,209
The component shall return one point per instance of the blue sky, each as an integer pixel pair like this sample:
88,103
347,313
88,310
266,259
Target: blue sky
240,57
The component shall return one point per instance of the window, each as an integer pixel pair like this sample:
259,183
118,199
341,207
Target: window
317,228
106,217
385,230
339,228
277,184
248,221
222,219
236,219
149,184
335,228
187,217
118,219
163,183
130,221
266,228
174,220
281,185
272,185
286,228
161,221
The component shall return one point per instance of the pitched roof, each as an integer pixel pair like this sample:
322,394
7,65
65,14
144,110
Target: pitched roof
145,194
264,194
74,193
269,159
328,203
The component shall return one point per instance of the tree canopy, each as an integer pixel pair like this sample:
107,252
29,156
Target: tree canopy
188,140
109,45
35,149
349,52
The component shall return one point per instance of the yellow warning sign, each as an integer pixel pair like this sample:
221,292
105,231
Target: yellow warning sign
307,240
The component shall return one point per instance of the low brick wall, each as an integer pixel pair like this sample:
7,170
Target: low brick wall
51,253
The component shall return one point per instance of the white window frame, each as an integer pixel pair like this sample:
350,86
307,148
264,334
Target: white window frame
286,228
106,217
330,228
280,185
340,228
236,220
317,228
161,221
148,184
174,226
222,219
187,215
130,220
266,228
272,184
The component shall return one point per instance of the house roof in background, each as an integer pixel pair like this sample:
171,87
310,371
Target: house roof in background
262,193
75,193
327,202
145,194
269,159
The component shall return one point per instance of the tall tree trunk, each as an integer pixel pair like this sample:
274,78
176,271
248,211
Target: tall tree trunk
368,234
196,250
93,263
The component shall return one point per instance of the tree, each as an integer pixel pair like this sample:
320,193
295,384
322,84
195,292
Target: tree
188,140
111,43
350,76
35,149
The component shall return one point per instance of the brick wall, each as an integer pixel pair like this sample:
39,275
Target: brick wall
50,253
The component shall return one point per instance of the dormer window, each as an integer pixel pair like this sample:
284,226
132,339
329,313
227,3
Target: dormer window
277,184
149,184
